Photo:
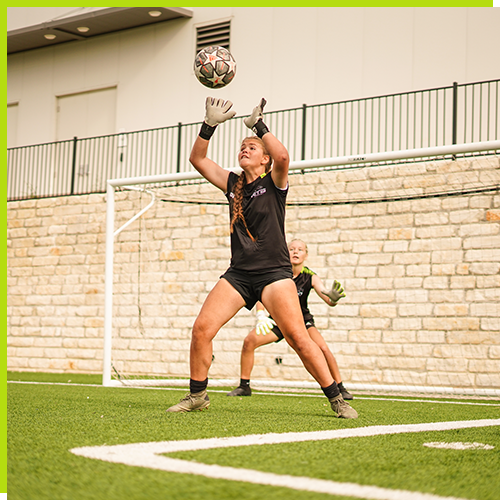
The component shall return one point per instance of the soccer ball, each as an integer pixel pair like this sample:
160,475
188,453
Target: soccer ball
214,67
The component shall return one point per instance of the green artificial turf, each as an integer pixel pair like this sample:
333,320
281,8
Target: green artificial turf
46,421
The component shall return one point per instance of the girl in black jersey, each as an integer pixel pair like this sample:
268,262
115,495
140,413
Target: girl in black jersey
260,268
267,332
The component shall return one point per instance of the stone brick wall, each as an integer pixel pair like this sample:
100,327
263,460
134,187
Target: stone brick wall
422,278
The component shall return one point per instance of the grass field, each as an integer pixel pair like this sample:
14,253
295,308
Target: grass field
48,416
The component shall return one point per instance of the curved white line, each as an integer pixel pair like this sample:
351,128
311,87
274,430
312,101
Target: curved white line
151,455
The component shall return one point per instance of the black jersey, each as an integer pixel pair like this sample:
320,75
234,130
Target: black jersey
303,282
264,212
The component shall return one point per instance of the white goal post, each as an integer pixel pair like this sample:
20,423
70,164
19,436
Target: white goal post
134,182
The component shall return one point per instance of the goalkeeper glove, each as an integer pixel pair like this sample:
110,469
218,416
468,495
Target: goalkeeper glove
216,111
254,121
335,294
264,323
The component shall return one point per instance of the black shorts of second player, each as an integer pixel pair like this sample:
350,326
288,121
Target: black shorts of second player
277,331
250,285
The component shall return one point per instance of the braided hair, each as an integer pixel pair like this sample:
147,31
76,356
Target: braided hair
239,186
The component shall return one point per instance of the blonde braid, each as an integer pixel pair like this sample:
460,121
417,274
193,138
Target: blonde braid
238,204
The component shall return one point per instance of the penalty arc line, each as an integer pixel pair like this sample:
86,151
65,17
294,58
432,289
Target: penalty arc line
150,455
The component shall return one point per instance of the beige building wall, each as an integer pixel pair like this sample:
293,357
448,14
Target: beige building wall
312,55
422,279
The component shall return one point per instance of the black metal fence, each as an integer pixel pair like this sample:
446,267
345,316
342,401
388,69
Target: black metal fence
426,118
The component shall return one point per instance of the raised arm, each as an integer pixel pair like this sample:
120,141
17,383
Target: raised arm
212,172
331,297
216,111
281,160
276,149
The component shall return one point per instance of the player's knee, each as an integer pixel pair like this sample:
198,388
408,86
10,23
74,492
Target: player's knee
249,344
201,331
324,348
297,340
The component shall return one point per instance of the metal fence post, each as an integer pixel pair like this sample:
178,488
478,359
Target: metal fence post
303,151
73,165
455,113
179,140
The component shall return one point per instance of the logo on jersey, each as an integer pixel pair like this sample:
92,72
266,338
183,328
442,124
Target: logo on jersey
258,192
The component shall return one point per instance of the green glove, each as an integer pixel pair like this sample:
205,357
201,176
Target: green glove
335,294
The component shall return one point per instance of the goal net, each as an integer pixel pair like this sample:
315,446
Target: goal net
414,237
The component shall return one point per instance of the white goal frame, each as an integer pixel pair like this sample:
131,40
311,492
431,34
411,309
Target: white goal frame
133,182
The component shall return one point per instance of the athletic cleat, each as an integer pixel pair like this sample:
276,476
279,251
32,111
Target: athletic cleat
345,393
341,408
191,402
241,391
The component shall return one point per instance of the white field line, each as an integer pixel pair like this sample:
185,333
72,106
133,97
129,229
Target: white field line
273,393
380,398
151,455
459,446
296,386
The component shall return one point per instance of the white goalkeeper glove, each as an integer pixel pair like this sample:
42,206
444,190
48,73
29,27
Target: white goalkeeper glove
255,120
264,323
335,294
217,111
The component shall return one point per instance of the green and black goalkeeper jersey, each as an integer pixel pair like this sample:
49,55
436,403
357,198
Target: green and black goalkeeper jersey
264,212
303,282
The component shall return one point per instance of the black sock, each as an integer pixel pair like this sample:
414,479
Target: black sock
197,386
331,391
244,382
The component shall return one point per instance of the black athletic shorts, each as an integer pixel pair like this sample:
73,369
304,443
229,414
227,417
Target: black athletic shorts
250,285
277,331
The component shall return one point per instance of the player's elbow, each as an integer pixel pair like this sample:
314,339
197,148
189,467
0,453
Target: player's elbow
194,158
281,164
197,161
282,158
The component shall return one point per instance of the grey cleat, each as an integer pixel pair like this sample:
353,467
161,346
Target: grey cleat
191,402
341,408
241,391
